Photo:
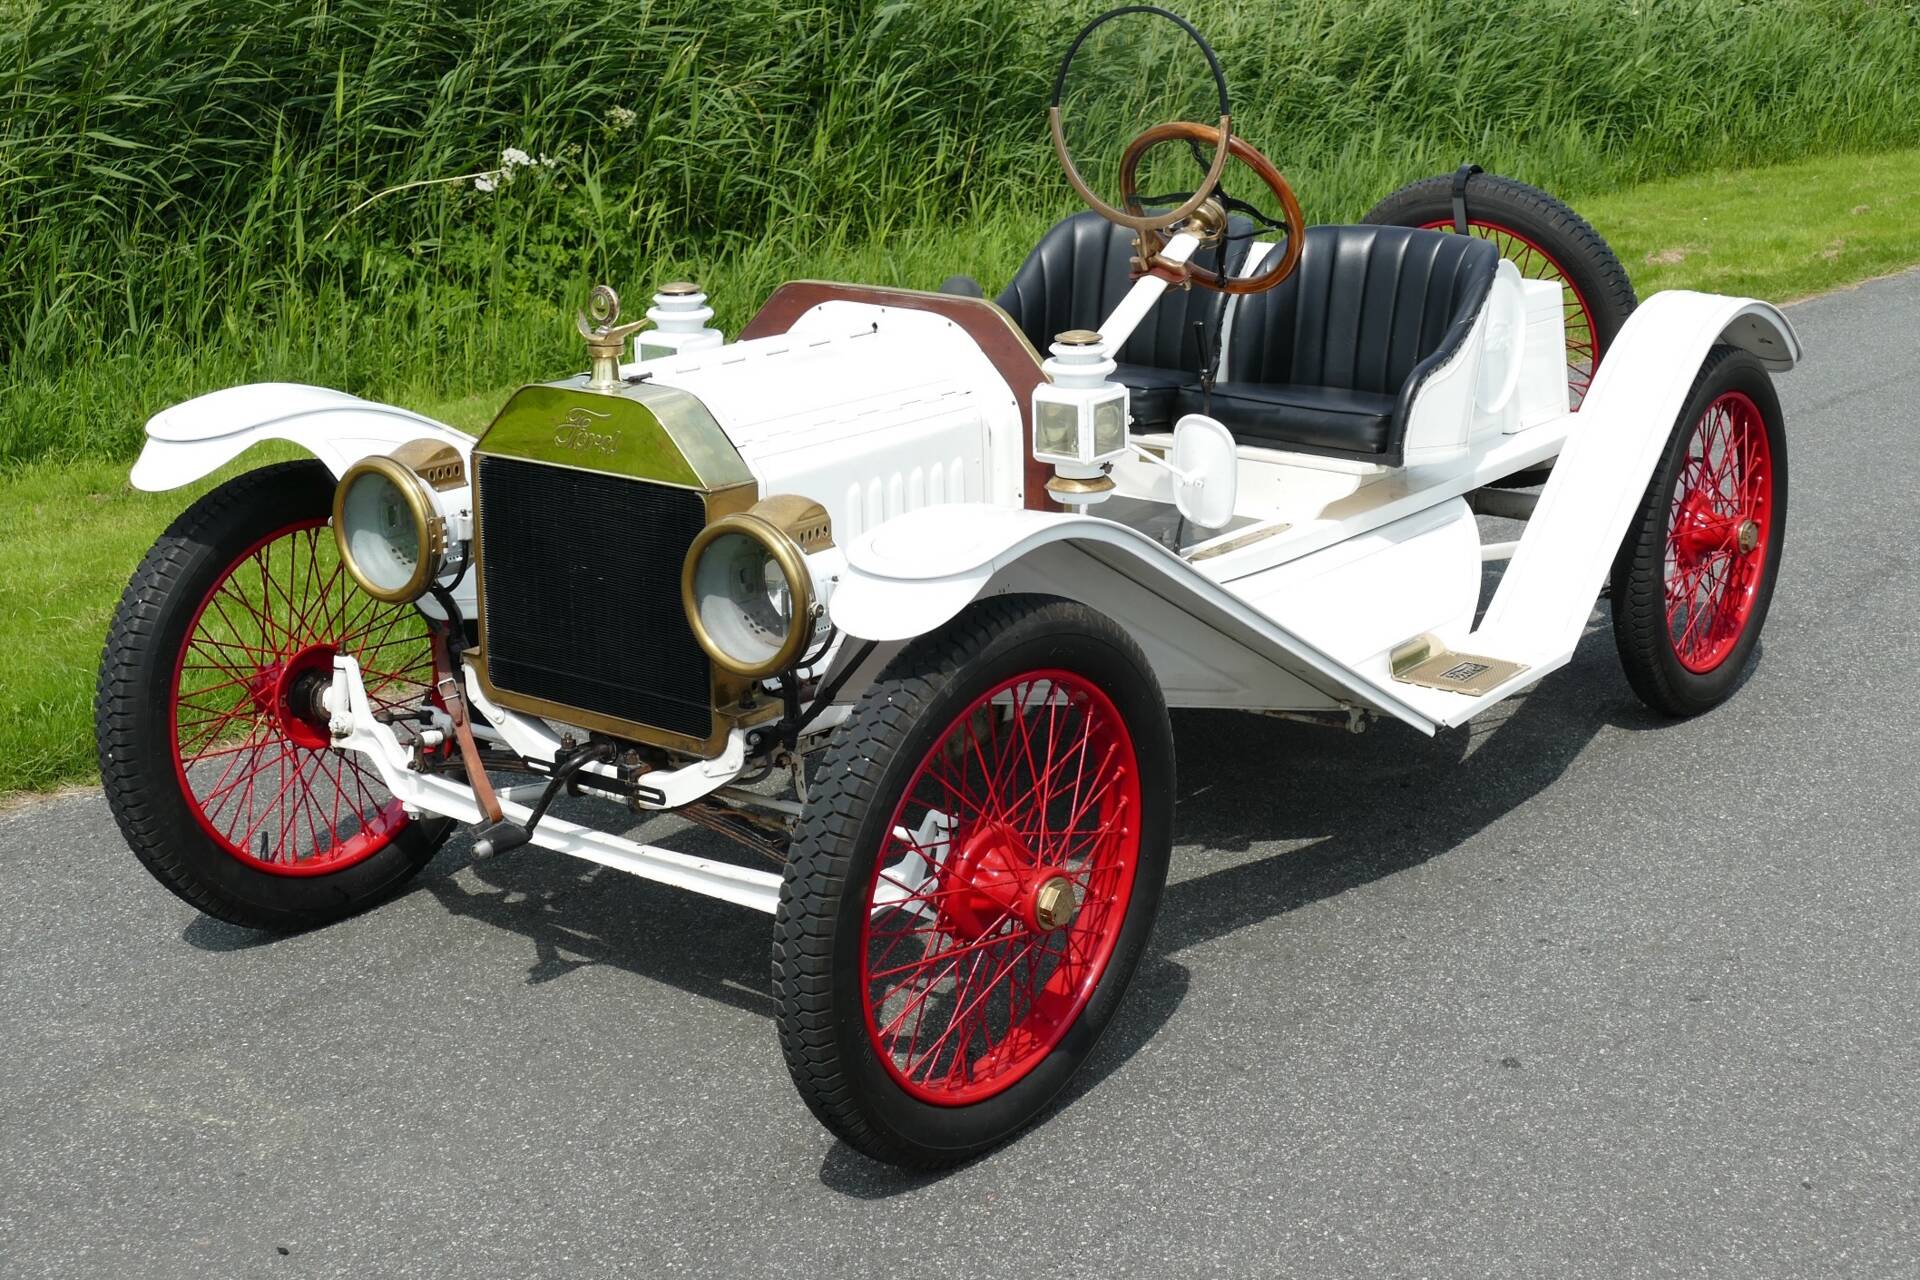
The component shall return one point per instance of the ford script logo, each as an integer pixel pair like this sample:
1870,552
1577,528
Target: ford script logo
576,432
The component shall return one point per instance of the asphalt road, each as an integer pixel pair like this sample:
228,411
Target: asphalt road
1575,992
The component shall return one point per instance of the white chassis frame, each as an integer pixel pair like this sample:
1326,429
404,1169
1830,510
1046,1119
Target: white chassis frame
1294,610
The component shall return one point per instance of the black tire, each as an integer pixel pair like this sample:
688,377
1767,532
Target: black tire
136,710
1644,621
820,939
1504,210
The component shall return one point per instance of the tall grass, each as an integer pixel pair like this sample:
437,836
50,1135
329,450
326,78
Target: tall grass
179,178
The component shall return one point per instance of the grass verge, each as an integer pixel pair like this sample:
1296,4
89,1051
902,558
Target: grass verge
372,193
71,532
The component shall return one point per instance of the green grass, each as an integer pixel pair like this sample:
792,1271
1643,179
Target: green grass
71,531
181,184
1778,233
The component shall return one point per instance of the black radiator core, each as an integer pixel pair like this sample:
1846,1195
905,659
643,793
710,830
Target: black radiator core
582,593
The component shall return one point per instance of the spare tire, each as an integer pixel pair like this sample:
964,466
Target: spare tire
1546,240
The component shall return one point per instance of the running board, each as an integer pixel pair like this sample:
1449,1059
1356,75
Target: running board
1545,598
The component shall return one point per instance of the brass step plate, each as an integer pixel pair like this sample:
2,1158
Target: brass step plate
1425,662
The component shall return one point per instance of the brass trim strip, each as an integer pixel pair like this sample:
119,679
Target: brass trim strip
1239,541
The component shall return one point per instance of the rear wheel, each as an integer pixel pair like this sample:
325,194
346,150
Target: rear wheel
975,878
1694,578
1546,240
215,762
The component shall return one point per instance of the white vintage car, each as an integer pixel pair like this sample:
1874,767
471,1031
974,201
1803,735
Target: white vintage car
900,606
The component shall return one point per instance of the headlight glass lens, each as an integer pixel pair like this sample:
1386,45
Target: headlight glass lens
380,535
743,599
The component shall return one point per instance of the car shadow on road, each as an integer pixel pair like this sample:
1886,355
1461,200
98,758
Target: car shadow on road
1342,810
1351,809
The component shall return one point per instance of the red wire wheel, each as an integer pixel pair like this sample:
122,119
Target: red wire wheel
1717,532
253,759
983,942
1695,574
214,753
974,879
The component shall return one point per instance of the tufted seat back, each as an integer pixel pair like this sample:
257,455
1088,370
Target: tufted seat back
1079,272
1364,307
1329,361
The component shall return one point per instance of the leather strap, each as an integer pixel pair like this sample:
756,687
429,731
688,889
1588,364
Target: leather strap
1460,177
446,682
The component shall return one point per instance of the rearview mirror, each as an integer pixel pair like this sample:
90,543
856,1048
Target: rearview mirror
1206,467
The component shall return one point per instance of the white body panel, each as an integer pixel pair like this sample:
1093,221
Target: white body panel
872,411
1307,615
910,577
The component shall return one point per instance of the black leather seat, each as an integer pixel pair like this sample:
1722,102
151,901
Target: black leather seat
1078,273
1328,362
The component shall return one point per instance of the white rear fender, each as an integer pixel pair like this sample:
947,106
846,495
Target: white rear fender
1619,436
1207,646
199,436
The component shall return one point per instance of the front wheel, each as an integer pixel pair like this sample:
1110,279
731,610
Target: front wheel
1694,577
215,762
976,873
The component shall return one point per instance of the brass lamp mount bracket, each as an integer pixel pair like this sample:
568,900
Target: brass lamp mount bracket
605,336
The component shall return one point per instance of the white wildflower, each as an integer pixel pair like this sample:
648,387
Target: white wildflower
513,158
623,117
484,183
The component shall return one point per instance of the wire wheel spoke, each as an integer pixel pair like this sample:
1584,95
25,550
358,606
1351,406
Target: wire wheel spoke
252,758
994,906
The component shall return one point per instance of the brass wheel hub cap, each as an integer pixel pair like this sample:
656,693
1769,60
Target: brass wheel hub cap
1054,904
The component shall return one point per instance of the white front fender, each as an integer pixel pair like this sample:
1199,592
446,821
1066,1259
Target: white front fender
199,436
1207,646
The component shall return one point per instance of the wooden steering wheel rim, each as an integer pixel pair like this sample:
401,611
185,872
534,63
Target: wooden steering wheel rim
1139,222
1153,239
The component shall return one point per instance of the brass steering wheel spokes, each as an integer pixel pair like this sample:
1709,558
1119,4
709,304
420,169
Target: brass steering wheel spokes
1153,238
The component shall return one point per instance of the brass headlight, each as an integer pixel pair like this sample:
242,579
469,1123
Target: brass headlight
746,588
392,537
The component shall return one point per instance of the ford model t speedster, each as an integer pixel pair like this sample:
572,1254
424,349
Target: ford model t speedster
890,599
